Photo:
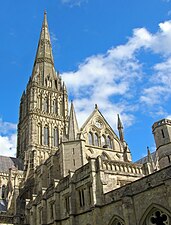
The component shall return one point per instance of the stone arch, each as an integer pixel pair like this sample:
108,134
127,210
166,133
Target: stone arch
117,220
150,213
105,156
91,150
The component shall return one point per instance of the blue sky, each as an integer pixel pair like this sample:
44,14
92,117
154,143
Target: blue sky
116,53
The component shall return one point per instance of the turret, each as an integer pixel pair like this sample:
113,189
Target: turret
162,136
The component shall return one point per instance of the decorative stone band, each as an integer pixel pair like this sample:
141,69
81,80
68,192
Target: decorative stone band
44,59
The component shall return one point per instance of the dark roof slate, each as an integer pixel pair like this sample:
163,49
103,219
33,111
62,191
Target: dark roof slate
145,159
9,162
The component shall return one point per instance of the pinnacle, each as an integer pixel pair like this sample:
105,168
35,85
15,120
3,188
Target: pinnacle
73,124
120,126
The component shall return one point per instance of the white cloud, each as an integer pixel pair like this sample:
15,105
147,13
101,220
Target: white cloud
107,78
6,127
8,145
72,3
8,138
159,91
53,38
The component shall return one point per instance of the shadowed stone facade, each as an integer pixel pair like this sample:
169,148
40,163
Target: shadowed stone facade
79,176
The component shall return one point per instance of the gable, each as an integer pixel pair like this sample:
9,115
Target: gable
98,123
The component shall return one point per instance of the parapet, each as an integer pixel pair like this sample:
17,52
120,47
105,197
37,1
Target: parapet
161,123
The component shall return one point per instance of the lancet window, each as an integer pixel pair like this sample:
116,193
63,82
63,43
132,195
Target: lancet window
46,104
109,142
90,138
46,135
103,140
39,134
55,106
96,139
56,136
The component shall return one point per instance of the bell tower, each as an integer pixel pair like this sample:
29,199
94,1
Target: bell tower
43,117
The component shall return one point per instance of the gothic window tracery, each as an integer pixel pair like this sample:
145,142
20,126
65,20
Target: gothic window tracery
158,217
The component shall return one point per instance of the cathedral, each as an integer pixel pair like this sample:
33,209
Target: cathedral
66,175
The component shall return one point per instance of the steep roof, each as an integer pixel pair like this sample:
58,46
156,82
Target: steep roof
145,159
9,162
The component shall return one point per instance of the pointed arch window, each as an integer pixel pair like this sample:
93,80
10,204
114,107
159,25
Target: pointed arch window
46,104
109,142
39,102
90,138
46,135
96,139
117,221
56,137
56,84
103,140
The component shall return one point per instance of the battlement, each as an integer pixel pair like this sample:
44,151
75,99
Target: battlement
160,123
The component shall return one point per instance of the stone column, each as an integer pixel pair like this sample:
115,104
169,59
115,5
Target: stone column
128,211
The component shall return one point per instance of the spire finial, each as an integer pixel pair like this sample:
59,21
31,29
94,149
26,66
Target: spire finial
96,106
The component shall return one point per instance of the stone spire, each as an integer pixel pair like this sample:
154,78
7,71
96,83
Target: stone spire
120,129
73,124
150,159
44,63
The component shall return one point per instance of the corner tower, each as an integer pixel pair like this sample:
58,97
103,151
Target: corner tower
43,115
162,135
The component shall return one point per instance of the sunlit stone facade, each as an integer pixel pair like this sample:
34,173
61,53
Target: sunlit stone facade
79,176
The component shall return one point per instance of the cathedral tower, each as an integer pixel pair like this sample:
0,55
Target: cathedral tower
43,108
162,136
